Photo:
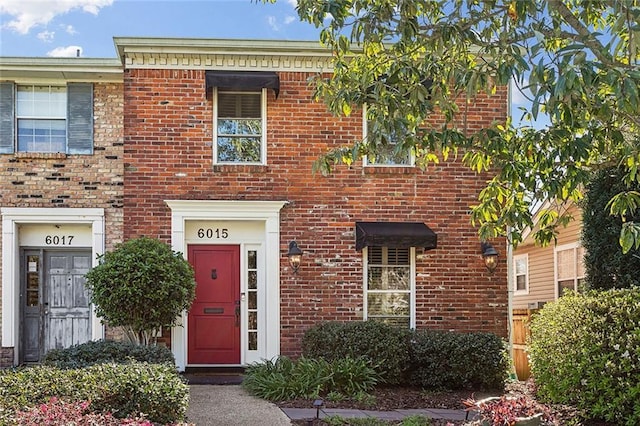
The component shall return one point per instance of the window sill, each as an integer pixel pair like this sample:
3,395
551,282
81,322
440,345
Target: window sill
40,155
389,170
239,168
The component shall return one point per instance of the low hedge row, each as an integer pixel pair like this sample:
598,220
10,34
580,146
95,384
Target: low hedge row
124,390
430,359
103,351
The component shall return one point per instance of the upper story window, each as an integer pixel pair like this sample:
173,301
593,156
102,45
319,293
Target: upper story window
387,153
42,118
521,273
240,127
569,268
389,285
46,118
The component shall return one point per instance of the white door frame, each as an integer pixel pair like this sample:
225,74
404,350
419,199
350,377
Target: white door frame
11,218
267,212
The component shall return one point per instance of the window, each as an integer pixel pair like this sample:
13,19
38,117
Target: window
240,130
387,154
46,118
569,267
389,285
41,113
521,273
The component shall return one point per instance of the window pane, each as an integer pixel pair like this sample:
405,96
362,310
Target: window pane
41,102
566,264
387,278
396,304
239,150
580,261
521,266
250,127
253,341
252,259
400,322
565,285
253,320
386,156
253,280
42,135
239,105
521,282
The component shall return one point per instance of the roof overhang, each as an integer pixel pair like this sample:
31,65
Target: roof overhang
61,69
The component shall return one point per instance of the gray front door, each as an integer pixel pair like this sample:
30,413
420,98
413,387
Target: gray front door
55,302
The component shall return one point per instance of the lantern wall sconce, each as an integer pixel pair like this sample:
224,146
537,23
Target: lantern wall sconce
295,256
490,256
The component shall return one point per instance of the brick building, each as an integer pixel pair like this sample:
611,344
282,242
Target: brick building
219,140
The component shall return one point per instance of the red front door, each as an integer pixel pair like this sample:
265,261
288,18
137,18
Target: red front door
214,318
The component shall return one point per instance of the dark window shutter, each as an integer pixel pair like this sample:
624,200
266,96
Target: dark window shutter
7,123
80,118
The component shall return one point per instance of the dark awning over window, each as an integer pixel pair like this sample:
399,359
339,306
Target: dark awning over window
394,234
243,80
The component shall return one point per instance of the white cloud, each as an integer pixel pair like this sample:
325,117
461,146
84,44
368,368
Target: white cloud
46,36
273,23
293,3
28,14
65,52
289,19
69,29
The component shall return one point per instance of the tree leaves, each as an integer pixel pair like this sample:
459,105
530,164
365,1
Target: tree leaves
580,59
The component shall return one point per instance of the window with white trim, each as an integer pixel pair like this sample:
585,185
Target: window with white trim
42,118
388,151
521,273
239,127
389,285
569,268
46,118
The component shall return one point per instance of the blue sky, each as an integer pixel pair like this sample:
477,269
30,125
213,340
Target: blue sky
61,27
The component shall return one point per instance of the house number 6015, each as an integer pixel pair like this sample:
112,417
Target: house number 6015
58,240
213,233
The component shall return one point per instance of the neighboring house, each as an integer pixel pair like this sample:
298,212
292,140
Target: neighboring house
61,196
219,141
541,274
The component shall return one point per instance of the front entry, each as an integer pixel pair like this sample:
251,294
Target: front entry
55,303
214,318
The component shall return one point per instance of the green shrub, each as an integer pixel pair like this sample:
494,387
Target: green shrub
125,390
142,286
585,351
447,360
384,346
284,379
102,351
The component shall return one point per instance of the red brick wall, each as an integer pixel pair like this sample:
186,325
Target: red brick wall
168,131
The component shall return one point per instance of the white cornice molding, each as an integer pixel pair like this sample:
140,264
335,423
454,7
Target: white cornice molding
61,69
181,53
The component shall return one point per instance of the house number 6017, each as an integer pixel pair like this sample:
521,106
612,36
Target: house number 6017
213,233
58,240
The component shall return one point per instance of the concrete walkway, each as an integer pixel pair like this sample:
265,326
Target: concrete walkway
231,405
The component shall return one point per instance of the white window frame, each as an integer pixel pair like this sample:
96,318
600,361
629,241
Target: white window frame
263,137
576,277
365,160
63,118
412,285
516,258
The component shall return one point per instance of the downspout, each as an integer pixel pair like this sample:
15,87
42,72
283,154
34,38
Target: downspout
510,286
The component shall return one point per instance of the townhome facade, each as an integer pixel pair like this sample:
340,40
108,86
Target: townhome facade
217,143
61,197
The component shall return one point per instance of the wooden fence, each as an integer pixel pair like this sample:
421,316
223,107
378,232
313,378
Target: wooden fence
521,319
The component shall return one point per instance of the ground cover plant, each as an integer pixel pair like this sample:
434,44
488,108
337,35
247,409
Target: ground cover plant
123,390
585,352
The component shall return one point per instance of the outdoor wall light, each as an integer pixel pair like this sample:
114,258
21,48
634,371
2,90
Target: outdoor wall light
295,256
490,256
